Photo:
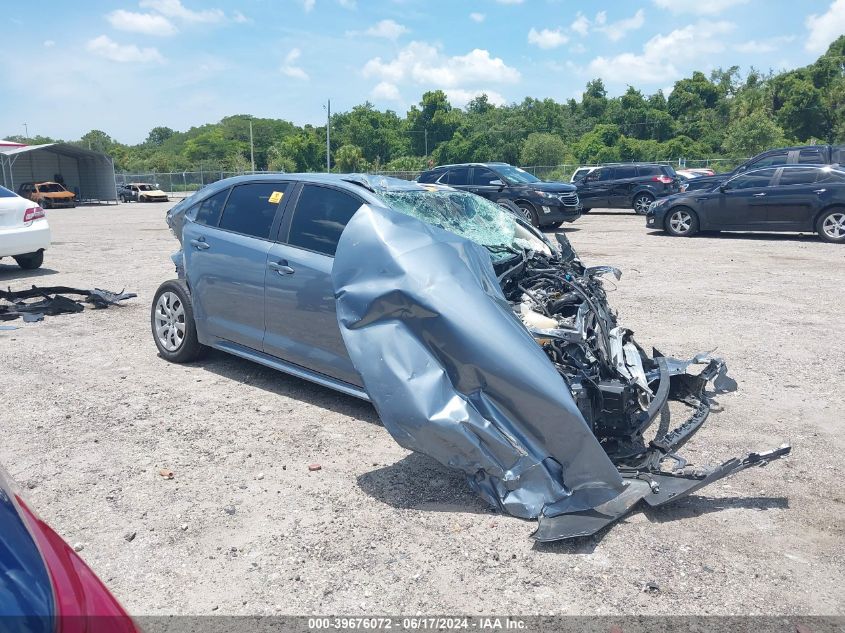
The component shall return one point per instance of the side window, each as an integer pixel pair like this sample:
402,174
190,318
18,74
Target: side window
429,176
483,177
649,170
756,179
798,176
251,208
811,157
320,217
778,158
459,176
594,175
5,193
831,176
209,209
628,171
608,173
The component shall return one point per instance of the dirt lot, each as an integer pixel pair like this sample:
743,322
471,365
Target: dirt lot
90,415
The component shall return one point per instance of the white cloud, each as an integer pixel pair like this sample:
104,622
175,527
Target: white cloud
698,7
547,38
386,91
477,17
290,68
459,97
578,48
49,43
581,24
764,46
146,23
826,27
106,47
422,63
240,18
307,5
662,53
615,31
387,29
175,9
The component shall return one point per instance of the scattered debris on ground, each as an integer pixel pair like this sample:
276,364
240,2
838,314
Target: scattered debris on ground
51,301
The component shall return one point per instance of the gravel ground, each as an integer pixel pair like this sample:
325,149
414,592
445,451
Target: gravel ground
91,414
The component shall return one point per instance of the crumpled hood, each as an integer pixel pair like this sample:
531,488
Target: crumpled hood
153,192
454,374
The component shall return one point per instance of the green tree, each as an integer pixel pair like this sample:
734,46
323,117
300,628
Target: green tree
350,158
542,148
751,135
159,135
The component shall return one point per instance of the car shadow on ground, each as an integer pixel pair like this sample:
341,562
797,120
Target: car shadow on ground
627,212
14,272
689,507
279,383
726,235
419,482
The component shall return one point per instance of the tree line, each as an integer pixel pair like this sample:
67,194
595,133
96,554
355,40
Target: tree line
727,114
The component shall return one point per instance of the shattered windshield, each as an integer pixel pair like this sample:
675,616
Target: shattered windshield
469,216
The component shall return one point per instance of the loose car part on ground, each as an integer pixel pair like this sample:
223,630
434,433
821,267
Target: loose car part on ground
51,301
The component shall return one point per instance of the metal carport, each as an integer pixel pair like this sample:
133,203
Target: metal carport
88,173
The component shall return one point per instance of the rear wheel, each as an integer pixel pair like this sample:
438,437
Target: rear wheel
173,326
831,225
642,201
529,213
682,222
30,261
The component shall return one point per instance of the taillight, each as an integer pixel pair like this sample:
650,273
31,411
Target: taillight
33,214
666,180
83,603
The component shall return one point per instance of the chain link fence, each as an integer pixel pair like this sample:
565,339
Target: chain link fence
184,183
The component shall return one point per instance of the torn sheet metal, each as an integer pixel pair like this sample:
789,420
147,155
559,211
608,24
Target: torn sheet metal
458,376
50,301
501,358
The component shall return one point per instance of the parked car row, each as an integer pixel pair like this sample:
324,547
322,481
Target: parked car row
24,232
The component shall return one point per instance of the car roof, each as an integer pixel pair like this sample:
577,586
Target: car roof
493,164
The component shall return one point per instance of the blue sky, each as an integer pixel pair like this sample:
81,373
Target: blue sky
125,66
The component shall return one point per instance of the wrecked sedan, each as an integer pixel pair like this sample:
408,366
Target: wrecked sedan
479,342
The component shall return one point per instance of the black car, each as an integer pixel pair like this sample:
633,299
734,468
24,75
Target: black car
541,203
629,186
785,198
798,155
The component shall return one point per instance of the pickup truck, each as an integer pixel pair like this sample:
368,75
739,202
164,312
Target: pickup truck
802,154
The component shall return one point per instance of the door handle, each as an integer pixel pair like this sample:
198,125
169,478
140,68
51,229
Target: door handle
200,244
281,267
820,191
759,195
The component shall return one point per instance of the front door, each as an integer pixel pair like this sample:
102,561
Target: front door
744,202
300,312
593,189
486,183
226,248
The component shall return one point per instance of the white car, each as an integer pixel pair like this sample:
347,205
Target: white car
24,232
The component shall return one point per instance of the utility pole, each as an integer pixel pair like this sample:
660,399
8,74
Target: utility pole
26,130
425,132
251,148
329,136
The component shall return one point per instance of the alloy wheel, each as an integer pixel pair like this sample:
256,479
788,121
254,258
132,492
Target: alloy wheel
680,221
170,321
642,204
834,226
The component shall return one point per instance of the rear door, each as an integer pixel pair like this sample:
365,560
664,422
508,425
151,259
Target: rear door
481,180
620,190
226,241
301,318
744,202
793,199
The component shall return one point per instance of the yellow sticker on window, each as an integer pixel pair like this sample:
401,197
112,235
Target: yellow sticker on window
275,197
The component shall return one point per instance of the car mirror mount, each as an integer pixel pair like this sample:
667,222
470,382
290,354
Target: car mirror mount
497,183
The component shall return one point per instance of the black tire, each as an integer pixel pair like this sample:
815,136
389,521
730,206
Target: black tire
30,261
510,206
529,213
123,199
641,203
170,346
681,222
831,225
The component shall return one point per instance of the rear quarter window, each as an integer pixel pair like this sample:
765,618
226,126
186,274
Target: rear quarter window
5,193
